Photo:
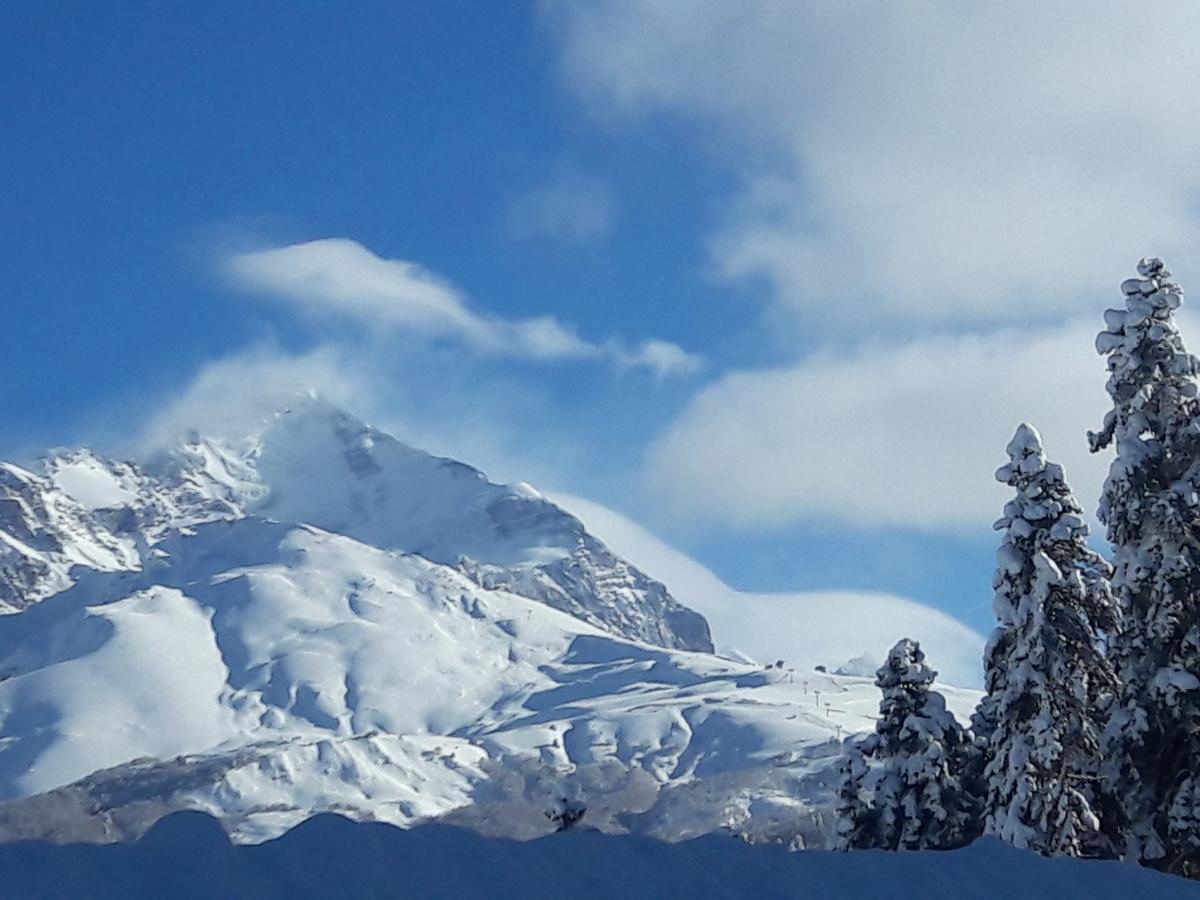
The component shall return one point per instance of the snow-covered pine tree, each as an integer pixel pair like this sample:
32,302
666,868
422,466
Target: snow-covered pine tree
856,819
1151,506
913,797
1047,673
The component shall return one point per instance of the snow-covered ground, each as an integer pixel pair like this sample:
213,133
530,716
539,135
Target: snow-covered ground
316,672
188,856
319,618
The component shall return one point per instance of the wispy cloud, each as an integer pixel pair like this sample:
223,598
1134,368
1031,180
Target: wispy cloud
421,399
230,396
569,207
338,277
903,164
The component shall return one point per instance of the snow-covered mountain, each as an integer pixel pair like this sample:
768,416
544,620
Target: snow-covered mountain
44,533
314,464
318,617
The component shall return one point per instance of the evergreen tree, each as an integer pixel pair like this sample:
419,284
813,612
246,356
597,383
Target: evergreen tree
1151,506
913,798
1046,669
856,819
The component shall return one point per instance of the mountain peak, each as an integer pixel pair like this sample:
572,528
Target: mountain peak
313,463
319,465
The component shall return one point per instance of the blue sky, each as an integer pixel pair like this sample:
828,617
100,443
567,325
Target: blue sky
863,246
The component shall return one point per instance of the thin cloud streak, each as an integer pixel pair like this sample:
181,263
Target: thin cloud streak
340,278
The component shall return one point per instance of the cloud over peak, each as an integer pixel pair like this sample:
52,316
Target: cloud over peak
338,277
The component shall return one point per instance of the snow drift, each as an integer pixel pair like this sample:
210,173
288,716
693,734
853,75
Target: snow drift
187,855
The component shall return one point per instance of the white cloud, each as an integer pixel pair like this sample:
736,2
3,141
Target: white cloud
660,357
569,207
802,628
439,405
900,435
938,161
339,277
228,397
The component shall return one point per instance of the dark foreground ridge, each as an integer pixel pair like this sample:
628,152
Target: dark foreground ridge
188,855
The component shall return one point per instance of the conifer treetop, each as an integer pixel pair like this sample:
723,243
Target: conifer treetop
1145,354
1044,511
905,667
1042,491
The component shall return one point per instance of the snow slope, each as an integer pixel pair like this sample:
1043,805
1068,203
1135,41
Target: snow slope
831,628
187,856
268,652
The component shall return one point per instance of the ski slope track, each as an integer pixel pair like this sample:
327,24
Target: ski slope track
318,618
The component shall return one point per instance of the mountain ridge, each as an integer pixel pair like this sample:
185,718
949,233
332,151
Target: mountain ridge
318,617
346,477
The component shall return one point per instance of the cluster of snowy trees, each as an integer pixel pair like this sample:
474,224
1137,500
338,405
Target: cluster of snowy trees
914,796
1087,741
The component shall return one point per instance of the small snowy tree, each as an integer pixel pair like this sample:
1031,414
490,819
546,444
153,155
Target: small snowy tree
1046,669
913,797
1151,506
